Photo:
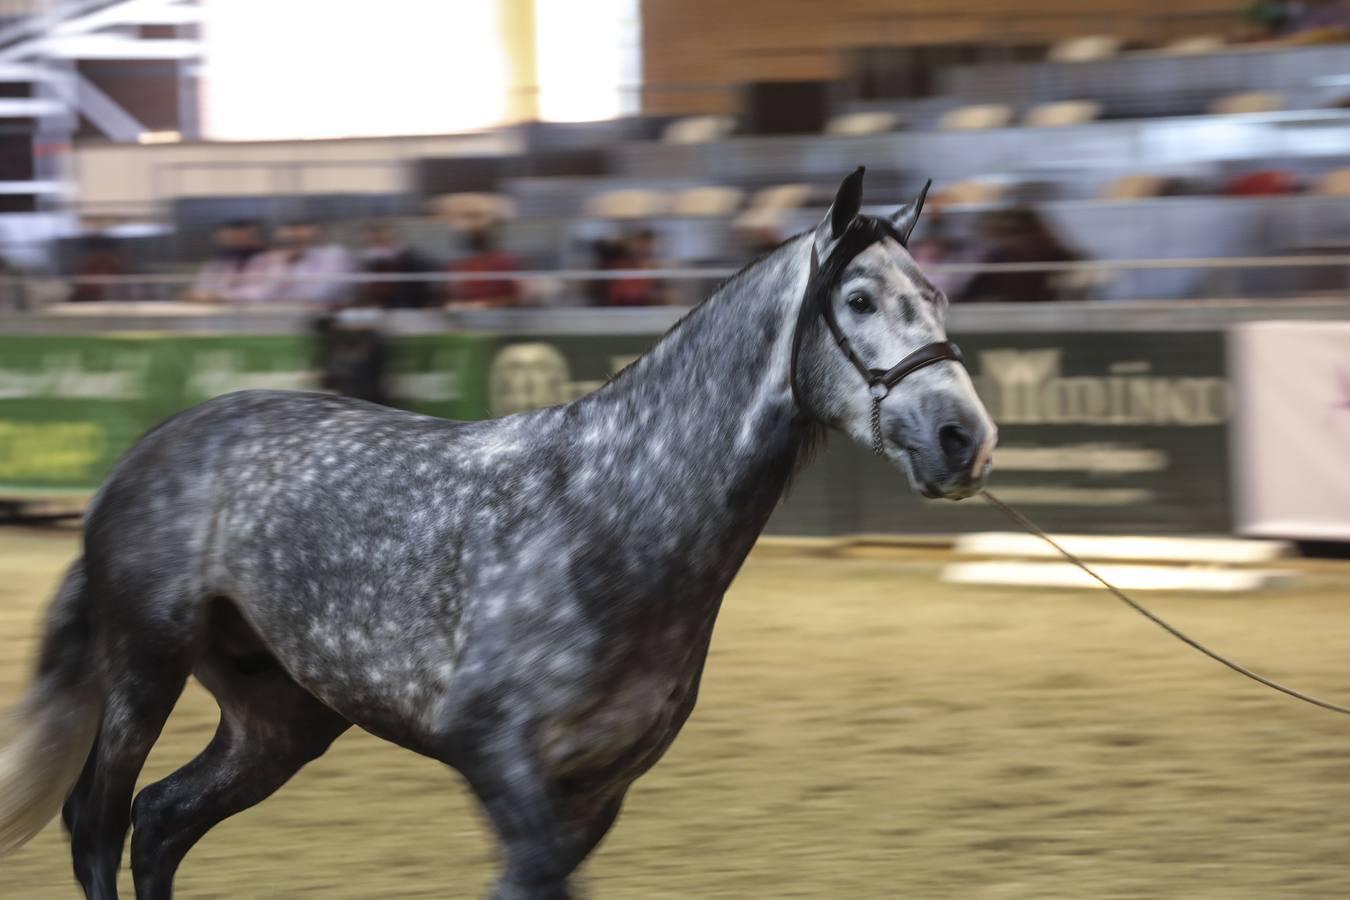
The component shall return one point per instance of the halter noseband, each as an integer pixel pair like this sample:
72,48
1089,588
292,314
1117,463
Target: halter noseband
861,233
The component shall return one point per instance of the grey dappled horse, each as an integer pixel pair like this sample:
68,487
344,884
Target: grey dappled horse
528,600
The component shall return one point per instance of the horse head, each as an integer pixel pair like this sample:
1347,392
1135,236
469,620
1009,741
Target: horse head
871,356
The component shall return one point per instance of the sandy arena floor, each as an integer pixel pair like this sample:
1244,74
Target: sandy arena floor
864,731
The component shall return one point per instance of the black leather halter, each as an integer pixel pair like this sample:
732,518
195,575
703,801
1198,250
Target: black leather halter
861,233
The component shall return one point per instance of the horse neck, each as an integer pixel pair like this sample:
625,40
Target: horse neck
705,423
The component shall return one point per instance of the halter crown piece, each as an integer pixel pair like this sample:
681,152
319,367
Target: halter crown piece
854,233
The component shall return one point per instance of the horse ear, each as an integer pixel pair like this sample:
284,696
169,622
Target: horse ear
907,216
847,203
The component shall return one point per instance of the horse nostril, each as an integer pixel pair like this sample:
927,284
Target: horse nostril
957,445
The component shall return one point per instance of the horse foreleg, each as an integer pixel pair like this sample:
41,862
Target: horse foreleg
547,827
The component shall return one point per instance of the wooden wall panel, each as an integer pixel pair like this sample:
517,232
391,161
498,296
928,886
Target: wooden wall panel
695,52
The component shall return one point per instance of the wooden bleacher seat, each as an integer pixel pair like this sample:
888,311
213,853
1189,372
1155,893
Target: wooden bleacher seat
781,197
977,117
699,130
1062,113
1089,48
862,123
709,201
1334,184
631,203
1204,43
468,211
1134,187
1247,102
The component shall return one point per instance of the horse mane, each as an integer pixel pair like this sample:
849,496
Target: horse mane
722,286
814,433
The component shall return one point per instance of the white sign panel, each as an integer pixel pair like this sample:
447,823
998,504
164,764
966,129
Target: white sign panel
1291,431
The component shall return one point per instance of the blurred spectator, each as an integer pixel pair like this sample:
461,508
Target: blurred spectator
12,294
239,271
302,269
385,253
352,354
635,252
936,244
606,253
484,257
100,257
1018,235
1265,183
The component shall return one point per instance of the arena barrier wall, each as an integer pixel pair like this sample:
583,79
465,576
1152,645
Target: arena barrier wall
70,405
1102,429
1099,431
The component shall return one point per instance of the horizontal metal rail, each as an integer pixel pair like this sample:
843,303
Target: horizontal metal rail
721,272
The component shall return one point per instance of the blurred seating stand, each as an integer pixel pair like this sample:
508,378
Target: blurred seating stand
1091,48
1062,113
707,201
977,117
465,212
699,130
1247,102
857,124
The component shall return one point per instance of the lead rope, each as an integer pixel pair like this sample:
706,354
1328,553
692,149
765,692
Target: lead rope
1138,607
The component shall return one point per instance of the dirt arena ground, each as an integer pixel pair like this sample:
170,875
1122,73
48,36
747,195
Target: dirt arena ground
864,731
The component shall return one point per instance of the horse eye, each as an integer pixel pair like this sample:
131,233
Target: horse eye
860,304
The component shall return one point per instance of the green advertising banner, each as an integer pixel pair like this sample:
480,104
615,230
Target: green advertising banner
71,406
211,365
1100,431
442,375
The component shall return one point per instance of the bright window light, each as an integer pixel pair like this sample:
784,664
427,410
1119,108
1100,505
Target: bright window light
588,58
297,69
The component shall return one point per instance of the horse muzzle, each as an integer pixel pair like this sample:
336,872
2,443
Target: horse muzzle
953,459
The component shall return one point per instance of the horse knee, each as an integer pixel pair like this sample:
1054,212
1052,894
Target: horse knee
152,812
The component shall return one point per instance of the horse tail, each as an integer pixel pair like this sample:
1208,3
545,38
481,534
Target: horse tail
45,740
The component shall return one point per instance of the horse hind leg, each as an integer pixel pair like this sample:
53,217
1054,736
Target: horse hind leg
141,687
270,727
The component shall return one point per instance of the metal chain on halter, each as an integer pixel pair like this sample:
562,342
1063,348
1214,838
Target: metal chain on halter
878,446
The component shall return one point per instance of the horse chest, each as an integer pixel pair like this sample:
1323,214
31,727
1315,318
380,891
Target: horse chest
620,734
621,730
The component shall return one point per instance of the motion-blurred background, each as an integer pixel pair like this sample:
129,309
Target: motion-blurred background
1141,214
476,207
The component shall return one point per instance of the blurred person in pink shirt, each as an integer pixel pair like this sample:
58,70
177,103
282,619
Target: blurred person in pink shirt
238,272
304,269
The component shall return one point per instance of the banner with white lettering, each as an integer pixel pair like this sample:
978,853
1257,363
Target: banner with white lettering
1099,432
1291,434
1106,432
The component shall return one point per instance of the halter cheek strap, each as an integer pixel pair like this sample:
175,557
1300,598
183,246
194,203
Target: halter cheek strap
861,233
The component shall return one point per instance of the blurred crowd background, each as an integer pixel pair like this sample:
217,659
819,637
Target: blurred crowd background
474,208
631,154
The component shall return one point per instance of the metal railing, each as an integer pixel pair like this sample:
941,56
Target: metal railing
690,284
